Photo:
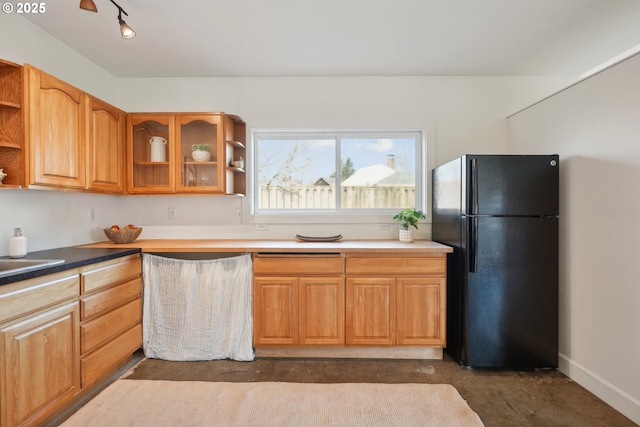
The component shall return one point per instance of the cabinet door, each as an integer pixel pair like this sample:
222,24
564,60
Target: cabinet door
371,311
56,131
275,311
421,311
105,147
40,370
198,174
150,167
321,305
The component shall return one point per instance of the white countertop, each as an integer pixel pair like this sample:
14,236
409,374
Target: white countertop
290,246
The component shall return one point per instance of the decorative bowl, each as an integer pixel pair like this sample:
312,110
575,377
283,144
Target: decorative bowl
201,156
123,235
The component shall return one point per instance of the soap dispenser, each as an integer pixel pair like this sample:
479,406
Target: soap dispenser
17,244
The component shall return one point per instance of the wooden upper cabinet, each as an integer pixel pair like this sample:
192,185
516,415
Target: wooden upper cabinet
11,124
235,150
196,175
169,165
150,167
73,140
56,126
105,147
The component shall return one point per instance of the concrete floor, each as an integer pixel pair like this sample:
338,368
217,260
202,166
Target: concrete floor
500,397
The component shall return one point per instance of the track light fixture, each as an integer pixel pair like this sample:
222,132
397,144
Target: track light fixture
88,5
126,31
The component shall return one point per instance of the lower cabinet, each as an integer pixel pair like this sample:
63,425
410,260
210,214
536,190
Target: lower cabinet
40,370
353,299
396,300
62,333
39,347
421,311
110,317
371,308
298,300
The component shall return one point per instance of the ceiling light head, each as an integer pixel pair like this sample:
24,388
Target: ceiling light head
126,31
88,5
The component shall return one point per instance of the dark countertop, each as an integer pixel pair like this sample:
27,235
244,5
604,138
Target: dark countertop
73,257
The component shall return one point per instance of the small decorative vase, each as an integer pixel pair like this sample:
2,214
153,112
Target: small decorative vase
2,175
201,156
406,235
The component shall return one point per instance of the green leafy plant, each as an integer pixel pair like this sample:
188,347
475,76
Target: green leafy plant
200,147
409,217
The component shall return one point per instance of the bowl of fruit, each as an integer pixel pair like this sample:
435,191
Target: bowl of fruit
125,234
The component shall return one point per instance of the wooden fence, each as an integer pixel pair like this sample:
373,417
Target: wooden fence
323,197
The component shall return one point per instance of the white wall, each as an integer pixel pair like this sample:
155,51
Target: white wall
595,128
465,114
23,42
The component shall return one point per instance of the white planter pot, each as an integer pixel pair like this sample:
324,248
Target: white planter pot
201,156
406,235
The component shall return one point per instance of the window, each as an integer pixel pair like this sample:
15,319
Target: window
336,172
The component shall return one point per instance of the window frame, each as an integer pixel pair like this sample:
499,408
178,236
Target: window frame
424,156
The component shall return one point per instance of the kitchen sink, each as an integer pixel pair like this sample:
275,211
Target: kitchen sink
9,267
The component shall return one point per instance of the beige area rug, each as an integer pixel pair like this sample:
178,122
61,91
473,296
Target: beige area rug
264,404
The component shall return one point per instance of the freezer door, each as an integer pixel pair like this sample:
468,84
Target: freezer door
510,293
511,185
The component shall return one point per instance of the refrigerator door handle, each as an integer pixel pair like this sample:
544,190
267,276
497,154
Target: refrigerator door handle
474,186
473,244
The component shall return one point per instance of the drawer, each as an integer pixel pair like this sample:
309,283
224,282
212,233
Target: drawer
25,297
97,332
398,265
288,265
104,301
109,357
110,272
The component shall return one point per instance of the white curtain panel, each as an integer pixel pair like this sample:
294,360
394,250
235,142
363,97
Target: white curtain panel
197,309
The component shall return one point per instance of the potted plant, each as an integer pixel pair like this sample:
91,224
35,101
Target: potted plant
408,217
200,152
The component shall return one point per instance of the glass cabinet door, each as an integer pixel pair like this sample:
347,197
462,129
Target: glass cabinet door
201,162
151,140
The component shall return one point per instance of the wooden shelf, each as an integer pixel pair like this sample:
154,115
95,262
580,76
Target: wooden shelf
151,163
7,104
10,145
236,144
211,163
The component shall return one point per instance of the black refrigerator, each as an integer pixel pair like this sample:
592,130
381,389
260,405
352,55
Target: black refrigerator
500,215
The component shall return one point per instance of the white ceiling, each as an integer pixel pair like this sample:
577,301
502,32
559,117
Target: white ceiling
192,38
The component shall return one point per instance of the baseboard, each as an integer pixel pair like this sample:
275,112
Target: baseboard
353,352
618,399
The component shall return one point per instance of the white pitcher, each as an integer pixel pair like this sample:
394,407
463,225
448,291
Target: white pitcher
158,149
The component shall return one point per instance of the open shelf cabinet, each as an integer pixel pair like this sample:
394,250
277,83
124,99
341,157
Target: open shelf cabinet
11,127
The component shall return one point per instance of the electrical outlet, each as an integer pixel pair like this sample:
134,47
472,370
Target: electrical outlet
383,226
172,213
239,214
92,214
262,227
